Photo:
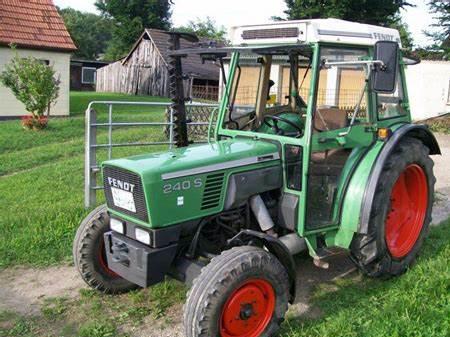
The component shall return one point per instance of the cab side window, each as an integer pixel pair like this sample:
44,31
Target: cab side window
341,91
390,105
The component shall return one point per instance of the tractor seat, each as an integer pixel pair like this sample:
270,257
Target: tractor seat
328,118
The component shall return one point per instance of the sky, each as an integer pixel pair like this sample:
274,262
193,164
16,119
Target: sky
238,12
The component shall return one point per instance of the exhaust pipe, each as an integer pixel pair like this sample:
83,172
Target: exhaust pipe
261,213
294,243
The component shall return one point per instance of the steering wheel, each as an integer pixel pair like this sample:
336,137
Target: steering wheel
274,126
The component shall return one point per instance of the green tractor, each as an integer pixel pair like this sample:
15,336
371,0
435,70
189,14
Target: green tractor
312,149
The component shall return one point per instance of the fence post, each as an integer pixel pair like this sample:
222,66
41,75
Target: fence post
110,118
90,174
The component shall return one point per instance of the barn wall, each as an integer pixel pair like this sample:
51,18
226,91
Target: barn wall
145,73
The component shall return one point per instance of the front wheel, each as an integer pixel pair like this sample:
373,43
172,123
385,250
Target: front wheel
90,256
401,212
241,293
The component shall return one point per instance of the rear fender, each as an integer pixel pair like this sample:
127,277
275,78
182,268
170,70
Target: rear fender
360,194
276,247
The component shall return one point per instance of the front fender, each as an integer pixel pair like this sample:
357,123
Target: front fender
360,193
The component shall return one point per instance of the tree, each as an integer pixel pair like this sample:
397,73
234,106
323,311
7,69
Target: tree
205,28
131,17
441,9
405,34
374,12
90,32
33,83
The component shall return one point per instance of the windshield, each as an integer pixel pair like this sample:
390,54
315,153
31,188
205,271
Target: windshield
265,86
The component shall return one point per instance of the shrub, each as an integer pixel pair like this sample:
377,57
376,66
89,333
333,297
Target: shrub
35,85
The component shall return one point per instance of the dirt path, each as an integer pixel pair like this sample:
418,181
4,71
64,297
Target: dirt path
24,290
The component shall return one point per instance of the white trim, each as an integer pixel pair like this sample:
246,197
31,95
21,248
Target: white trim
222,166
82,75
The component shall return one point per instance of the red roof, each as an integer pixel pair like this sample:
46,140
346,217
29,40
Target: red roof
34,24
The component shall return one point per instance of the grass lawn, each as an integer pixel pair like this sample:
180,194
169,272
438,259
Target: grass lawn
41,178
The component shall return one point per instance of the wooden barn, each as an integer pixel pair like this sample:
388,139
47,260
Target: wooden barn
144,71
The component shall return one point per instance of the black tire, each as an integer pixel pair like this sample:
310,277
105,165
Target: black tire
222,278
89,255
371,252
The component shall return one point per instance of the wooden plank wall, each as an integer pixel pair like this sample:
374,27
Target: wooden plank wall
145,73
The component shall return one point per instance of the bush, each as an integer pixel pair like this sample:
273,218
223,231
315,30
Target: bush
35,85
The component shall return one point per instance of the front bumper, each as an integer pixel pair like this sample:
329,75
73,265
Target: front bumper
137,262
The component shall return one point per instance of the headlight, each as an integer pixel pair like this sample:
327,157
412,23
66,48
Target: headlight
117,226
142,236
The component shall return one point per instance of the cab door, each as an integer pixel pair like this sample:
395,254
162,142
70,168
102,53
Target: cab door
340,132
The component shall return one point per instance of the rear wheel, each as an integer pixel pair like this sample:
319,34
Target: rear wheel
242,293
401,212
90,256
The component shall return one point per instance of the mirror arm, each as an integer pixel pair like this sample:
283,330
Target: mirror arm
366,63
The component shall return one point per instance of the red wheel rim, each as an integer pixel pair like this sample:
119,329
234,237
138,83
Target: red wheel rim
409,203
248,310
102,260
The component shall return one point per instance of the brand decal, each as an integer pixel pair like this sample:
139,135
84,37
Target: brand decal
182,185
384,37
123,185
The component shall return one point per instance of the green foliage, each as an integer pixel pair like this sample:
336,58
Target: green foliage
441,11
131,17
405,34
375,12
98,329
32,82
54,308
429,53
439,124
205,29
90,32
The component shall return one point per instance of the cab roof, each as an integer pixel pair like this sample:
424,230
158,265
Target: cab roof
311,31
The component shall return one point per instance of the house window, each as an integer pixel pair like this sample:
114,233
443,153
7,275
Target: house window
88,75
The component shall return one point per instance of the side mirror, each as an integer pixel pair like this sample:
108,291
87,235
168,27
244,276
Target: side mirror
384,76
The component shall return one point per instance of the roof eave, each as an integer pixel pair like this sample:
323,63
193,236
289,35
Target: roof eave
34,47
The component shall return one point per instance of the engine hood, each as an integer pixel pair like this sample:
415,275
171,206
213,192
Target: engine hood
198,159
186,183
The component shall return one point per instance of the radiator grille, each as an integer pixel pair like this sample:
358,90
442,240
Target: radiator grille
273,33
138,192
213,191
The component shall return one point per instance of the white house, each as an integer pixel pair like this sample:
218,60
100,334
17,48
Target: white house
429,88
37,30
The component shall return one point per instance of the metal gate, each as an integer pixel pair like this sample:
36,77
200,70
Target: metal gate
200,130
